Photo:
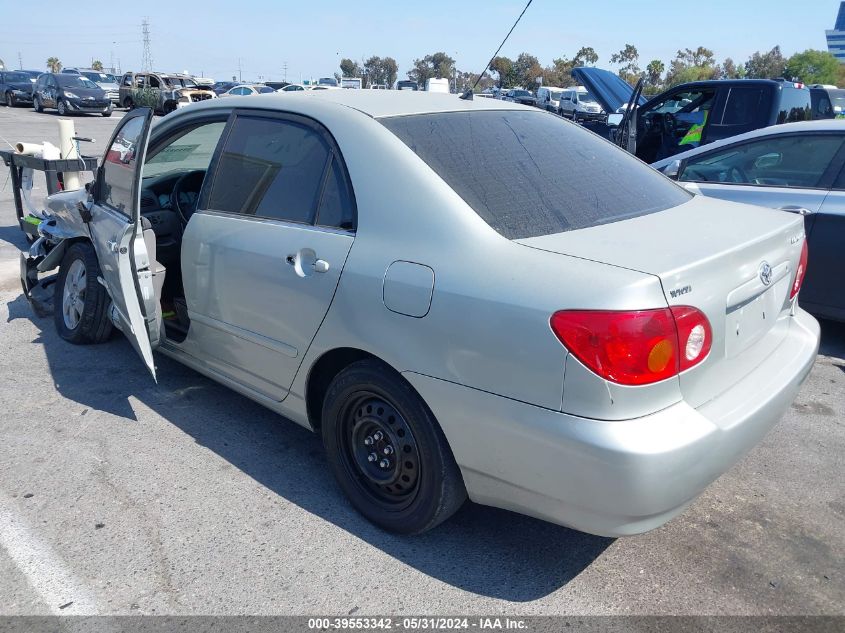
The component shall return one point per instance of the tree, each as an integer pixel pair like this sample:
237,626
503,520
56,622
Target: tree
348,68
381,70
97,65
503,67
769,65
813,67
586,56
692,65
627,60
654,75
437,65
526,69
54,64
730,70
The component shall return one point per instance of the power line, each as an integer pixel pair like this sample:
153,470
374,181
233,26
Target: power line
147,56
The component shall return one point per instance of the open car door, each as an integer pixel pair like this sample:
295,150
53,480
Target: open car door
126,259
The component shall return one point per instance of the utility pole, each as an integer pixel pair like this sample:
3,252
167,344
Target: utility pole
240,77
285,66
147,58
20,61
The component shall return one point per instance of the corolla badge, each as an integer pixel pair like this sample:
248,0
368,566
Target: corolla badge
765,273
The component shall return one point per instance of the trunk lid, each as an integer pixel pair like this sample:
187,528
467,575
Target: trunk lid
708,254
611,91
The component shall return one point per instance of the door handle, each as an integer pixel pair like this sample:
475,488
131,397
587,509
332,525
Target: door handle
796,209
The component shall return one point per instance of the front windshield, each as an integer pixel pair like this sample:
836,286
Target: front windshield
586,97
75,81
100,78
13,78
521,93
837,100
180,82
556,96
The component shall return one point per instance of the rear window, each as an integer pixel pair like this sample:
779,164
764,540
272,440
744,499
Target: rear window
530,173
794,105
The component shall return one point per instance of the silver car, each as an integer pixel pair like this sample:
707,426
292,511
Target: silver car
796,167
459,312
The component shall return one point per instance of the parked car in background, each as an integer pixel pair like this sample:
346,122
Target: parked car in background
407,84
167,92
222,86
548,98
243,90
580,105
328,81
351,83
69,94
697,113
106,81
434,84
414,325
15,88
828,102
293,88
520,95
798,168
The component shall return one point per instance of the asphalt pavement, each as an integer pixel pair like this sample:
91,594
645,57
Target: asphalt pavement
122,496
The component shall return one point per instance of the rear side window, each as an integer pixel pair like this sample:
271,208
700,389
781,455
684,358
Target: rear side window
530,173
794,105
271,168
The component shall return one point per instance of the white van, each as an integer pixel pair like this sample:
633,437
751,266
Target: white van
437,85
579,105
548,98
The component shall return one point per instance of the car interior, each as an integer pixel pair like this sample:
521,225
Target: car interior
171,182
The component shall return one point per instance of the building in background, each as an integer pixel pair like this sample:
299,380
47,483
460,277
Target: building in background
836,37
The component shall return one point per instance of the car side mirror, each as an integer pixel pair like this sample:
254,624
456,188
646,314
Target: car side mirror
614,120
674,169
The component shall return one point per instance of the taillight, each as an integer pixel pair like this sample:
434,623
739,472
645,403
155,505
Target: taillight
800,272
637,347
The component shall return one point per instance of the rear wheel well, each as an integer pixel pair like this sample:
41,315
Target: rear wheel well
321,375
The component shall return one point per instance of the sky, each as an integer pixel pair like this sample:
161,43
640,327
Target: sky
214,38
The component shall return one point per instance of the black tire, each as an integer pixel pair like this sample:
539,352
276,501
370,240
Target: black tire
36,105
93,324
108,112
128,103
10,100
61,107
422,486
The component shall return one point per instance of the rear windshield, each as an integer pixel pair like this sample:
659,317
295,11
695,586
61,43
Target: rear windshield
531,173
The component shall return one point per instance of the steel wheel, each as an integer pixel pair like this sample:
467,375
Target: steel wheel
73,294
61,108
10,100
379,451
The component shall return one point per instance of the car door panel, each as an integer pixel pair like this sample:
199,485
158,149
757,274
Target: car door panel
253,312
823,292
125,259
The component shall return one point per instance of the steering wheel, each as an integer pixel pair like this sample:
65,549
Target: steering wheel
185,194
669,124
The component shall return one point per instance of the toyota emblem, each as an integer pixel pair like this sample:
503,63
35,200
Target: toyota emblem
765,273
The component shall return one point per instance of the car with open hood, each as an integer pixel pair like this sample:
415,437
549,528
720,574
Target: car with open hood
694,114
570,335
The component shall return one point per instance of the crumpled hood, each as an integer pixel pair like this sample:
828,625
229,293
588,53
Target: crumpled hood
611,91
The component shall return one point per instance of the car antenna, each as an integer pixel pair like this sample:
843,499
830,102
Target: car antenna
468,94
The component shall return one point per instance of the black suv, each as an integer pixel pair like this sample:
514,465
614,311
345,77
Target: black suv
69,94
15,87
697,113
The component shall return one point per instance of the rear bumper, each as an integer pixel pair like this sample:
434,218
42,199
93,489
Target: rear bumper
613,478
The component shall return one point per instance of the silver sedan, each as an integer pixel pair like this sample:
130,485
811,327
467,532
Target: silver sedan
798,168
459,310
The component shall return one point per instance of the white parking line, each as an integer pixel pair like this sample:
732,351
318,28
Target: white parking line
46,573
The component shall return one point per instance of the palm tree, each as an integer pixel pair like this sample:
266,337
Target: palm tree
97,65
54,64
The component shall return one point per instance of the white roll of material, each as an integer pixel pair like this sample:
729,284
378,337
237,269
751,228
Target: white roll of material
67,147
45,150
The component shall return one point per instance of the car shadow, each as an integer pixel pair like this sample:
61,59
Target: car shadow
482,550
14,236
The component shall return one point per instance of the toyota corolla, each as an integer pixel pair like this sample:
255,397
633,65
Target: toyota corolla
457,310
